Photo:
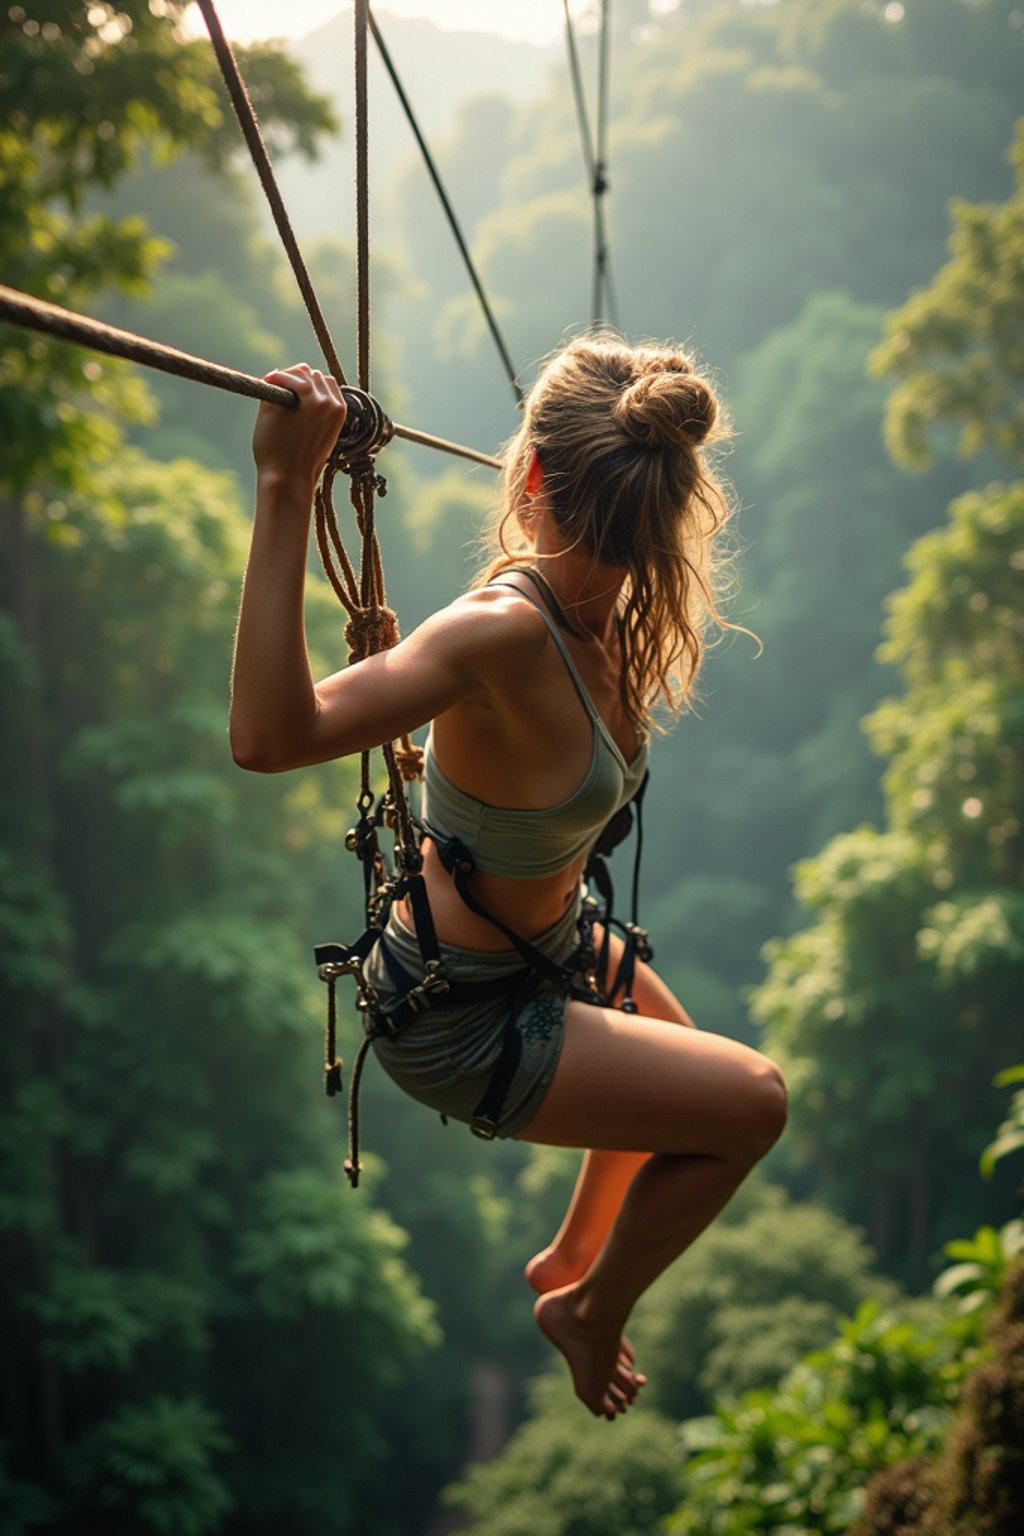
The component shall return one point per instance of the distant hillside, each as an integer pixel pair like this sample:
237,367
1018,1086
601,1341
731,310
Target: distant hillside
440,71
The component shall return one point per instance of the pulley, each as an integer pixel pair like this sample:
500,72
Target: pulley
366,431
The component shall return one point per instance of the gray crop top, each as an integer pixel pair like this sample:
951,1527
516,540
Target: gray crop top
530,844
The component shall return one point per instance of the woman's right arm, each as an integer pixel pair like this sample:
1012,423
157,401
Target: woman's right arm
281,718
273,701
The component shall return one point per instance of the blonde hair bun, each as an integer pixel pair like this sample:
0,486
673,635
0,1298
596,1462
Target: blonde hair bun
667,408
617,431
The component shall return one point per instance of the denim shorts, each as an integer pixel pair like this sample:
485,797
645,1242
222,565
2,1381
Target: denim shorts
446,1057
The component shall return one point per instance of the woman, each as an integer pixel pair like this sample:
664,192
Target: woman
540,686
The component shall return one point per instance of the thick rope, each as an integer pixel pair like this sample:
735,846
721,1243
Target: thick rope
247,121
29,313
332,1062
376,623
353,1167
32,314
453,223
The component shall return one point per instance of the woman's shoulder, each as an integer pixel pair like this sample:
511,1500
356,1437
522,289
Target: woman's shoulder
496,621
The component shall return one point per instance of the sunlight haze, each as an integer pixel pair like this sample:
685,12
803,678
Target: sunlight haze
535,21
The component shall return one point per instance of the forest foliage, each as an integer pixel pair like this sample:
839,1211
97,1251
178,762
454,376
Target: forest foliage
206,1331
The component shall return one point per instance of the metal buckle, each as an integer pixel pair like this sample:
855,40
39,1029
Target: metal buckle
435,982
334,968
642,946
484,1126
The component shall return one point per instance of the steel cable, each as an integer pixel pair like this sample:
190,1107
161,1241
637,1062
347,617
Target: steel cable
449,211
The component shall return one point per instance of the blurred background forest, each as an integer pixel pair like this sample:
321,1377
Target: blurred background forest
204,1330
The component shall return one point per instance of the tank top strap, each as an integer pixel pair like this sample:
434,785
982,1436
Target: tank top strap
555,634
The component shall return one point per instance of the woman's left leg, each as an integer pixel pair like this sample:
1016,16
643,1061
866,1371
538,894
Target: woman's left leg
604,1177
706,1108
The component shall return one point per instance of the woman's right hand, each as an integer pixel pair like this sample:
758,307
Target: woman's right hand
297,443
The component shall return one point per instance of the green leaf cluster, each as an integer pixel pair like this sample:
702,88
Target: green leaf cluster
797,1458
955,347
984,1262
894,1009
1010,1136
763,1286
975,1484
90,92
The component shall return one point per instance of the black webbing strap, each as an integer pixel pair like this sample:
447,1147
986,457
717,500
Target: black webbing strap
636,941
423,918
414,996
487,1113
458,861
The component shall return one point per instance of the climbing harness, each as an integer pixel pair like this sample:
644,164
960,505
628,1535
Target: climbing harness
584,976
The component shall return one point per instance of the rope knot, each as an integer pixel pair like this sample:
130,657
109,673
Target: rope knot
409,758
370,630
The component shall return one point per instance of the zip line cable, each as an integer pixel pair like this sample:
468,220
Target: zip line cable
582,115
453,222
604,295
594,144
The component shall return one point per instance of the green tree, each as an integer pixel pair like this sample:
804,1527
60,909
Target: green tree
87,92
561,1475
955,347
178,1245
765,1284
194,1309
895,1009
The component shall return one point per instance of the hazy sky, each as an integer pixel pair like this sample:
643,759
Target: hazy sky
538,21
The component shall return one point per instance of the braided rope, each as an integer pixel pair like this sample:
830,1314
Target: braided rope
247,121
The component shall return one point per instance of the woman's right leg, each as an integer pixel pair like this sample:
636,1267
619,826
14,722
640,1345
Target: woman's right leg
597,1197
703,1108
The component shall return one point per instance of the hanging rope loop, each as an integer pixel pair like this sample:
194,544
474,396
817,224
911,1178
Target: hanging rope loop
370,630
409,758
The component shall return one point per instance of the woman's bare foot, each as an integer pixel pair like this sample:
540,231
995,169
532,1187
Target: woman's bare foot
601,1362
